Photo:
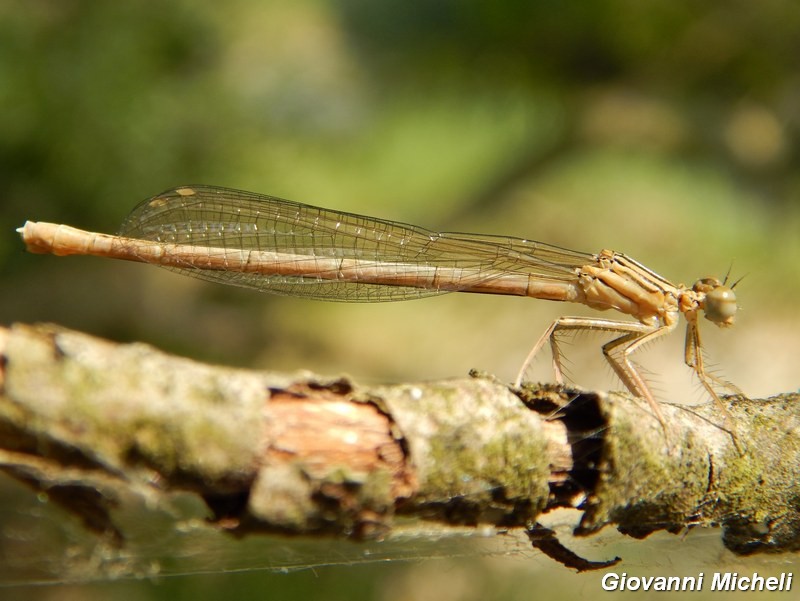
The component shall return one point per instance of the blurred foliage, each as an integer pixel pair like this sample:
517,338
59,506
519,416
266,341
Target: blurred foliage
106,103
667,128
716,82
717,50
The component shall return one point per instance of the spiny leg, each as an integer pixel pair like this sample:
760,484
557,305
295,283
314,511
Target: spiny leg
626,370
535,351
693,356
634,334
630,328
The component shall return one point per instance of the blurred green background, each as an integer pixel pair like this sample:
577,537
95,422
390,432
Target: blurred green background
667,130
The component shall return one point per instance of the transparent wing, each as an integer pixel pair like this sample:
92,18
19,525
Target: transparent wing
212,217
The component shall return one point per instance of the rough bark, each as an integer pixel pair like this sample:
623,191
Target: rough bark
86,420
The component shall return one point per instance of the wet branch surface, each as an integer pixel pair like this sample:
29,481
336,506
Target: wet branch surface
89,421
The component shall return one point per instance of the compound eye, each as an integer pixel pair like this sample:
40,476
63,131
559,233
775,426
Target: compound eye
720,306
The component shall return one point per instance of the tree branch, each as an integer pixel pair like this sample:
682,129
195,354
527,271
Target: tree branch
83,419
